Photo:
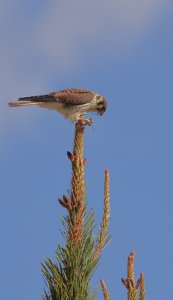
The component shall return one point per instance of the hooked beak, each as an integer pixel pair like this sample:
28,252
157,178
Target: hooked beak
100,112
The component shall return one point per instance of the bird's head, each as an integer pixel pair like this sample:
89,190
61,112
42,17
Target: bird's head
101,104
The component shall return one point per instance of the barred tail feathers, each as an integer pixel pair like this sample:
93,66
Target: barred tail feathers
23,103
34,100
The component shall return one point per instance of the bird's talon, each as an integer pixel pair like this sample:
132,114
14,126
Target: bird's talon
84,122
88,122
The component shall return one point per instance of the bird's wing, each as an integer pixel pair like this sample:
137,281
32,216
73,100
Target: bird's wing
73,96
41,98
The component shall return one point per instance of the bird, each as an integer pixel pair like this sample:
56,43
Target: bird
72,103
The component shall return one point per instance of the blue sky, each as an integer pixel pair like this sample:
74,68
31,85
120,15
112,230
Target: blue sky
123,50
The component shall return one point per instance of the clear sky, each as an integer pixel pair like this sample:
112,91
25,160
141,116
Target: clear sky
124,50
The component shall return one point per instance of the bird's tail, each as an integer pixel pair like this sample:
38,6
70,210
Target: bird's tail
34,100
22,103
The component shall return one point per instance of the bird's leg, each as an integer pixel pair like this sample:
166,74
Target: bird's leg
83,122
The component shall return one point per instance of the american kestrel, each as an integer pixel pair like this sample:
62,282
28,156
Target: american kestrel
72,103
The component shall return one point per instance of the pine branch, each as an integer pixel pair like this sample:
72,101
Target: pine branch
142,287
105,290
130,284
76,214
103,237
68,277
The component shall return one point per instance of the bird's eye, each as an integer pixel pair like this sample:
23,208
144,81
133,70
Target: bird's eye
98,97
